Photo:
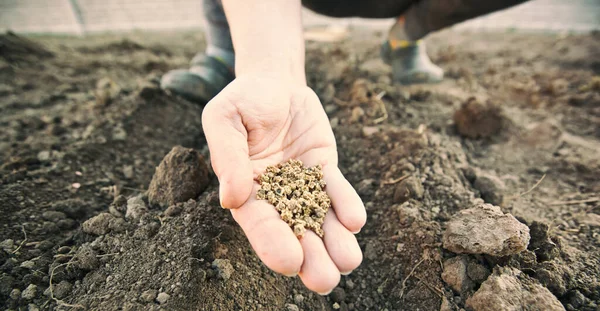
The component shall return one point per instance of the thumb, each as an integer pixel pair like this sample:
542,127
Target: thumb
228,144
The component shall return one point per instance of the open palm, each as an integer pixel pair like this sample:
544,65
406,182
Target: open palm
256,122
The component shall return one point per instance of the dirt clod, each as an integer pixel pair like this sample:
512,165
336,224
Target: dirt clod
148,295
298,195
455,274
338,295
30,292
136,208
491,188
510,289
182,175
62,289
162,298
477,272
99,224
223,267
477,120
485,230
86,258
409,188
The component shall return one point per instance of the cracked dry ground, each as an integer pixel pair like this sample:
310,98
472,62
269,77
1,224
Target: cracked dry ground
83,127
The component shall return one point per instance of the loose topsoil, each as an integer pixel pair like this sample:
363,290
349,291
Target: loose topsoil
515,125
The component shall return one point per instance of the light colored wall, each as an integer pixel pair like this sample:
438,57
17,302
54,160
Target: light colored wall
60,16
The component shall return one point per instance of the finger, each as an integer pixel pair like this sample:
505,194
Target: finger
270,237
348,206
318,272
341,244
227,141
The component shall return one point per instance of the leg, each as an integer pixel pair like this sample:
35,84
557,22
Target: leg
405,51
426,16
211,71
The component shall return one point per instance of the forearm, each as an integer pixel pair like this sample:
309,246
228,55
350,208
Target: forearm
267,37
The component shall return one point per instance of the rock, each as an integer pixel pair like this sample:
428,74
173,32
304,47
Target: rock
408,214
510,289
409,188
291,307
86,258
554,276
298,298
62,289
7,245
119,133
182,175
368,131
128,171
162,298
98,225
477,273
28,264
136,208
173,210
541,242
223,267
15,294
117,225
477,120
455,274
32,307
445,305
43,156
491,188
338,295
53,216
485,230
30,292
148,295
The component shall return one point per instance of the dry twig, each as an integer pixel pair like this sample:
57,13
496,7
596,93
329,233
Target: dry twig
590,200
22,242
395,181
408,276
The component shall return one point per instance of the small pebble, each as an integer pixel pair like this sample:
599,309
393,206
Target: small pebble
148,295
298,298
27,264
15,294
162,298
291,307
30,292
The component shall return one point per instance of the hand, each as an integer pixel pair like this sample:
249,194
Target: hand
258,121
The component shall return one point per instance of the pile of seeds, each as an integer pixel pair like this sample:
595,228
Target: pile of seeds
298,194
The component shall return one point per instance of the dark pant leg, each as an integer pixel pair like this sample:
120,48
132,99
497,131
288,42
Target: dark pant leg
359,8
426,16
216,28
422,16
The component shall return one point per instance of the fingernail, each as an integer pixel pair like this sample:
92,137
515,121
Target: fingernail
327,293
346,273
291,275
356,232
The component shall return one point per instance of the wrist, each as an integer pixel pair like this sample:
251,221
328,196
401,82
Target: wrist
281,66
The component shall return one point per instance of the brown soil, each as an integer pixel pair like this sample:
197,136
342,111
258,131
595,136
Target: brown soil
83,127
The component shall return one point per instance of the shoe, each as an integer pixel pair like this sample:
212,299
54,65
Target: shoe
410,63
206,77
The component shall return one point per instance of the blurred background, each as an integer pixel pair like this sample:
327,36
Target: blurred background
93,16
